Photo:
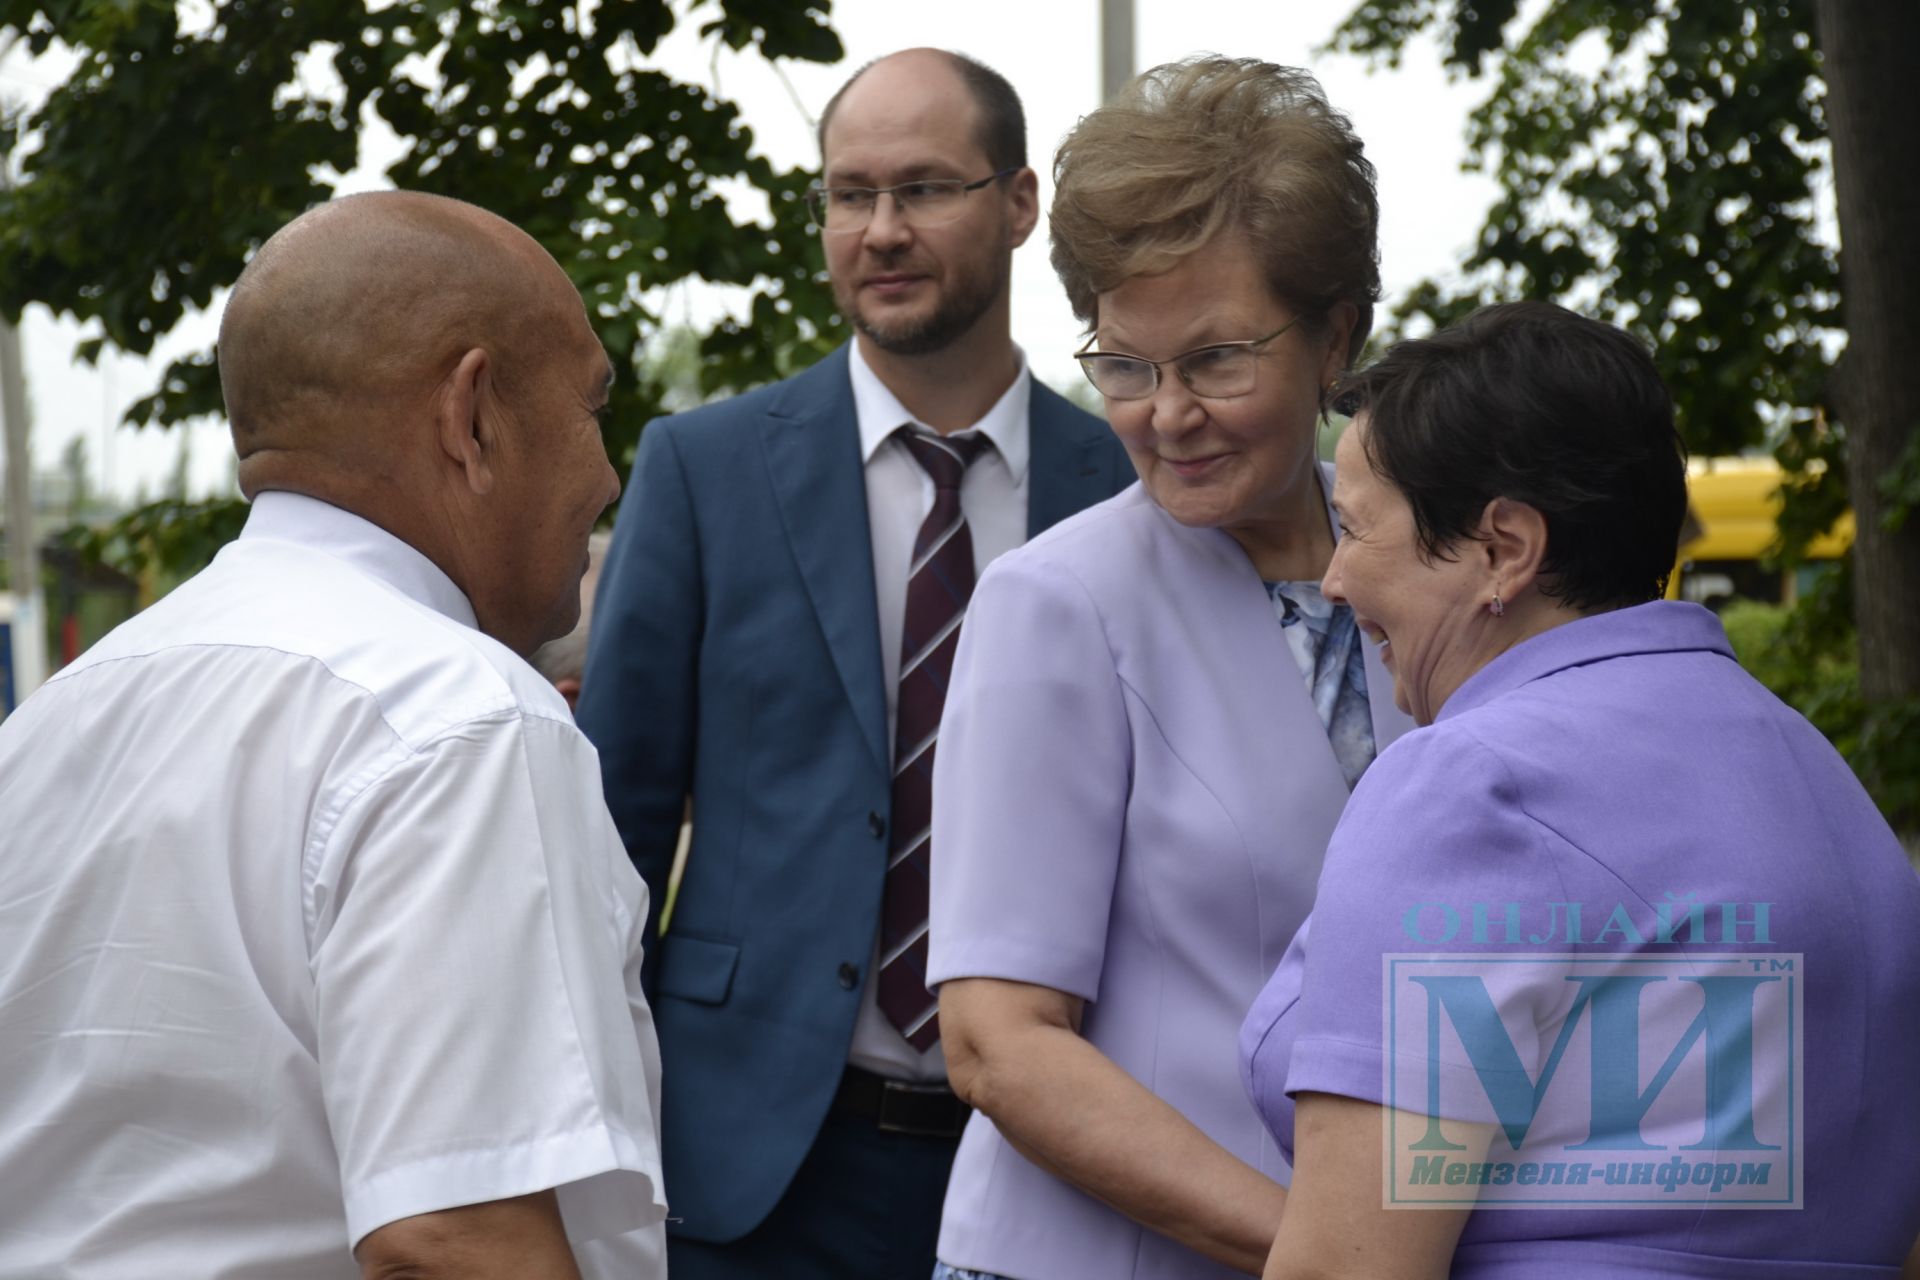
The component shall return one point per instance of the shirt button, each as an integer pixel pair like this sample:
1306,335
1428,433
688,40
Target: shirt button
849,977
876,824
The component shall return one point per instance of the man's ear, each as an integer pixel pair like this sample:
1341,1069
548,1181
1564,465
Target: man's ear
1023,198
1513,541
465,420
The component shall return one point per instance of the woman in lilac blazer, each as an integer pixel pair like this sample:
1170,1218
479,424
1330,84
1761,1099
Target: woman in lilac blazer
1614,953
1155,719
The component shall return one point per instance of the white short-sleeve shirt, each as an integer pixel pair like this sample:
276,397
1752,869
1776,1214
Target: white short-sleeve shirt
311,918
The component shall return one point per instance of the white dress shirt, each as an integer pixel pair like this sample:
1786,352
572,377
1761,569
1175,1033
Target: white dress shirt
312,918
993,495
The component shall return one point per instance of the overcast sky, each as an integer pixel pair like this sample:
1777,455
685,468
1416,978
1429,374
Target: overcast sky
1412,121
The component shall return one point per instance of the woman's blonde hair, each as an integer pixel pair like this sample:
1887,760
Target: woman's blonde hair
1213,146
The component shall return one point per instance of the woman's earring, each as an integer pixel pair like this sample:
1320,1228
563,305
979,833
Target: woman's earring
1499,610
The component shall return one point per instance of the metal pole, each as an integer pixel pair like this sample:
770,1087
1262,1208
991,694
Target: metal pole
1116,46
23,553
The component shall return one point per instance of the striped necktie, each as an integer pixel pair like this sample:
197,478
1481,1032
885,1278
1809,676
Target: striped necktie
938,585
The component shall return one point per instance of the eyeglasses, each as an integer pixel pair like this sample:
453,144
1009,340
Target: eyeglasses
924,202
1218,371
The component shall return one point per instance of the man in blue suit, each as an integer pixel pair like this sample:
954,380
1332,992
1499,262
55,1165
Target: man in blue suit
771,638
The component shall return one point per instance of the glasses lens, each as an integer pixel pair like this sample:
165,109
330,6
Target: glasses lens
1218,371
928,204
840,208
1119,377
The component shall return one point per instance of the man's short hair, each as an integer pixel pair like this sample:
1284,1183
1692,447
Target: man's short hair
1001,129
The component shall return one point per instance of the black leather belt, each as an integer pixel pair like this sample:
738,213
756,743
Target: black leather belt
895,1106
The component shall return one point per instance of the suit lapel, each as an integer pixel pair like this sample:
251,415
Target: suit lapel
1274,708
1070,460
812,444
1251,640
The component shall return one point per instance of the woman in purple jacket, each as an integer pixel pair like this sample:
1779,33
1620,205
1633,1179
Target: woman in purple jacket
1616,937
1155,718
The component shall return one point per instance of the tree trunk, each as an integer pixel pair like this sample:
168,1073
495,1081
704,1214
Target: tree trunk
1870,49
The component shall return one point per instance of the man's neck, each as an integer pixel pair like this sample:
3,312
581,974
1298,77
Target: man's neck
953,388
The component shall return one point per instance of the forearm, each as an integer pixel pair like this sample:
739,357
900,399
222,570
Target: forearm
1071,1110
517,1239
1336,1226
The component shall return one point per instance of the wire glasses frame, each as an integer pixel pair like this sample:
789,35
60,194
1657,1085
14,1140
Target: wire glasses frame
924,202
1217,371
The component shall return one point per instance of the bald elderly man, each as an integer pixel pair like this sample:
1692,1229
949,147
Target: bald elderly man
320,946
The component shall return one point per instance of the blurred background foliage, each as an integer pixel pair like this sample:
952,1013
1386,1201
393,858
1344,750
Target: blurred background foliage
1656,167
171,152
1663,166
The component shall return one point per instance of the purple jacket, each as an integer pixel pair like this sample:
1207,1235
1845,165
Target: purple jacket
1132,798
1626,764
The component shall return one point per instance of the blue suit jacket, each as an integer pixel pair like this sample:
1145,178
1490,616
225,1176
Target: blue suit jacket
735,657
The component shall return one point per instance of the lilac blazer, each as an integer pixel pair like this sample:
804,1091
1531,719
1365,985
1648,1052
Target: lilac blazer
1132,798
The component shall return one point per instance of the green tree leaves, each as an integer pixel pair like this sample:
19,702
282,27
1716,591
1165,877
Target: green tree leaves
1663,166
1656,166
188,134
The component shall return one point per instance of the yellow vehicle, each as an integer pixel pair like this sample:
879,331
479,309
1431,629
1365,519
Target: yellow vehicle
1732,506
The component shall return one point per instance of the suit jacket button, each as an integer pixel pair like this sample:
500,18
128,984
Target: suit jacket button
876,824
849,977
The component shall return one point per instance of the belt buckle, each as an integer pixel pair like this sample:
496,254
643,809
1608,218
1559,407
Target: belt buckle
907,1093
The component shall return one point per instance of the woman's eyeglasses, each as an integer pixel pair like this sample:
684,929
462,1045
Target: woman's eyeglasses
1218,371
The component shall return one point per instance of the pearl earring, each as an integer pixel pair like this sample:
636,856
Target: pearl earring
1499,610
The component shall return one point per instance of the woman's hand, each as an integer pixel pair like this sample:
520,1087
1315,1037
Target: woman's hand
1014,1052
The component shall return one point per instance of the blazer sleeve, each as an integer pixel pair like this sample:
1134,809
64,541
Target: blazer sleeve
637,698
1030,786
1433,847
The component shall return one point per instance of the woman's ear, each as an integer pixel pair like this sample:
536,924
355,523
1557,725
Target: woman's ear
1513,539
1341,317
464,422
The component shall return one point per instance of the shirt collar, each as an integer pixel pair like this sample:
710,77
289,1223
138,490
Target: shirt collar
1663,626
280,516
881,414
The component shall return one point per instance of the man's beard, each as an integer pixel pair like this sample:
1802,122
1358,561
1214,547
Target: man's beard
968,297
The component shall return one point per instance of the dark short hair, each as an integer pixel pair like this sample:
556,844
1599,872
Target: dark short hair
1531,402
1001,129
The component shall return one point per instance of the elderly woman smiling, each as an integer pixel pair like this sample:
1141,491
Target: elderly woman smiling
1155,717
1511,492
